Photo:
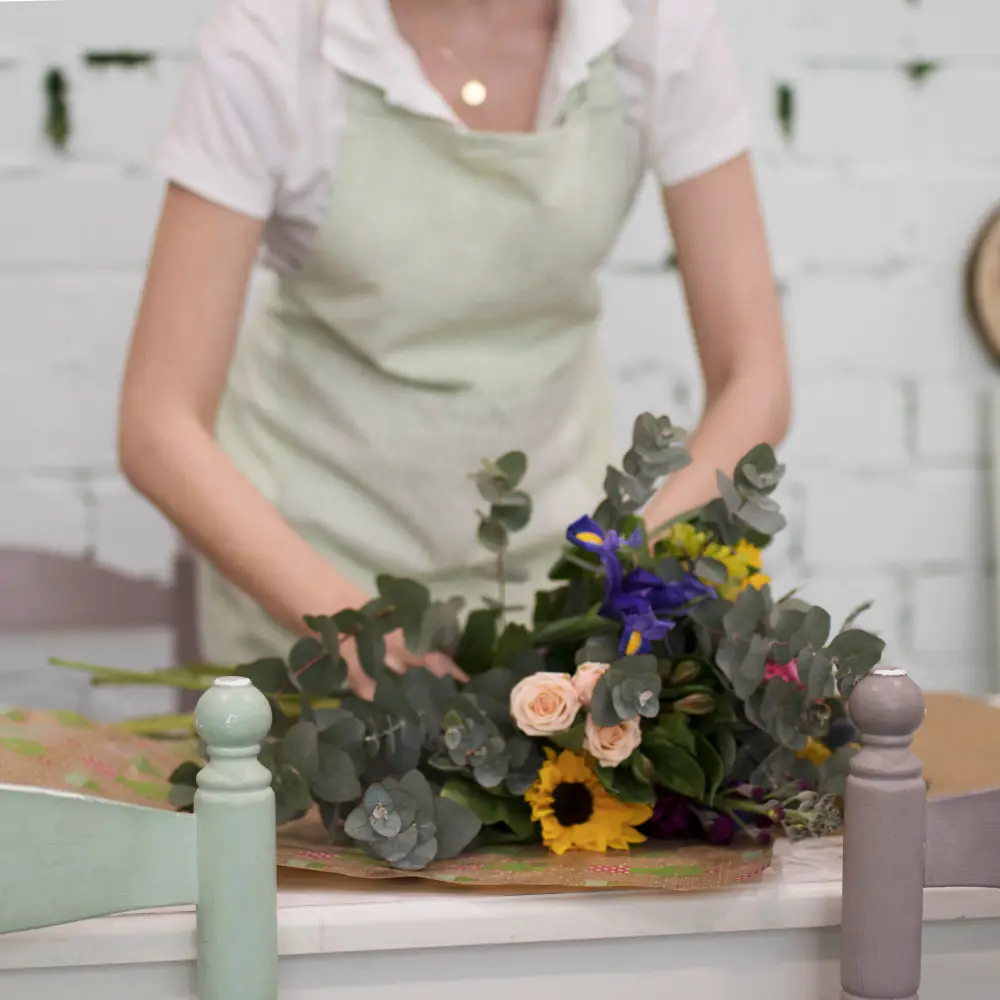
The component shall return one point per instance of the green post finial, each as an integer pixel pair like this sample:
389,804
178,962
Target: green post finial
237,869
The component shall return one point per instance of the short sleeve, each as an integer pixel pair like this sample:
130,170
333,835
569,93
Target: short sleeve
231,129
699,119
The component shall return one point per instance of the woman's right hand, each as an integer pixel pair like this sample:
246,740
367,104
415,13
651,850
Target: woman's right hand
398,659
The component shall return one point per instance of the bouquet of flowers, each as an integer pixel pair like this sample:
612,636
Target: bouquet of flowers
660,690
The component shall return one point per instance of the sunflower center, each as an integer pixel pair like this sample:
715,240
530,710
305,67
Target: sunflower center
573,803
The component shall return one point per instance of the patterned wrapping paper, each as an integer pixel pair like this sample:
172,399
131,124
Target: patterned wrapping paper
66,752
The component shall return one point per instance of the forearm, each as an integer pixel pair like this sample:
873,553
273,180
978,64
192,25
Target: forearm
183,472
752,408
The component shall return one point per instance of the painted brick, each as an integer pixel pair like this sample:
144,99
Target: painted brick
952,613
951,423
49,515
645,325
21,112
120,115
848,422
957,670
961,29
905,322
130,535
68,318
58,418
821,217
947,208
841,595
948,125
929,517
123,25
84,216
853,116
853,30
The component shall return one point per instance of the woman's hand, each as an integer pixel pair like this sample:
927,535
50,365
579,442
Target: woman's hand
398,659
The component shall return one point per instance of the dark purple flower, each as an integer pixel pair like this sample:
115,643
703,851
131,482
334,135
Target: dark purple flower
672,818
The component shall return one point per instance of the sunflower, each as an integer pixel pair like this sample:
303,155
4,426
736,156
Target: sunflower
577,812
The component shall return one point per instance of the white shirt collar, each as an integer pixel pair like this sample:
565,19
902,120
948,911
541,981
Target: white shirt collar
360,39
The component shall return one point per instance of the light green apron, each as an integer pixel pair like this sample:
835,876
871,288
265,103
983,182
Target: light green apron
447,314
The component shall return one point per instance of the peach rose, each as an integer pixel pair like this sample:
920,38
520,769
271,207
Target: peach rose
610,745
585,680
544,703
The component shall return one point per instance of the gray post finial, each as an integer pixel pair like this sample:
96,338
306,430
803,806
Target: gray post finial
884,843
237,867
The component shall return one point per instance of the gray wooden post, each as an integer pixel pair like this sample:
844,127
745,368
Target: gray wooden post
884,843
237,871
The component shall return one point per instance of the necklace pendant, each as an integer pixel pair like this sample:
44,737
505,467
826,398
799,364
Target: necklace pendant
474,93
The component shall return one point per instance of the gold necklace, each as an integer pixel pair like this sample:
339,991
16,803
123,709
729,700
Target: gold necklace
473,92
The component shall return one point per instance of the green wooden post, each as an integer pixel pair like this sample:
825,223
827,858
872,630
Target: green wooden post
237,873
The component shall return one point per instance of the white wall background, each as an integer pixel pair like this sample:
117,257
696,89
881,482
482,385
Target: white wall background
872,200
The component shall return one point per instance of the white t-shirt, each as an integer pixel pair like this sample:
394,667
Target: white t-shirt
260,119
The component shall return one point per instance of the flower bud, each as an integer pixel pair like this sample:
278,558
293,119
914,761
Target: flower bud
695,704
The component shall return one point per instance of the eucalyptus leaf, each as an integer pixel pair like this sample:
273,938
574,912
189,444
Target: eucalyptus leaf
457,826
475,650
328,631
181,796
597,649
743,618
513,512
750,674
514,466
493,536
410,601
336,780
711,571
313,671
730,497
300,750
269,675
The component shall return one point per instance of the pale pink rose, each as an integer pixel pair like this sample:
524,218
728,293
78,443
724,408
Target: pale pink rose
785,671
544,703
610,745
585,680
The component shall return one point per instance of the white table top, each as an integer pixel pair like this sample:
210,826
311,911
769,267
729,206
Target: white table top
801,890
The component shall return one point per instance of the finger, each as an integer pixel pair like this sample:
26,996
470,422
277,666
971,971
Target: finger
442,665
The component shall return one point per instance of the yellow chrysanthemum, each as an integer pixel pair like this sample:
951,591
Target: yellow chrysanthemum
743,564
576,811
818,753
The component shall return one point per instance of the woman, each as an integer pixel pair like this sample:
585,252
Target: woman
436,183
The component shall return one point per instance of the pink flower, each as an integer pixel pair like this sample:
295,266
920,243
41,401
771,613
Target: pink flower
783,671
544,703
610,745
585,680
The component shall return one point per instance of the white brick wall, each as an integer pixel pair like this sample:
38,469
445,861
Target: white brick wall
872,202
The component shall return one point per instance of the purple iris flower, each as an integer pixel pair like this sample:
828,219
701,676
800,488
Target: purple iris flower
642,628
666,596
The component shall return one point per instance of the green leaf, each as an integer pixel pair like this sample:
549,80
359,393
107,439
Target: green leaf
813,632
185,774
371,651
676,729
572,739
602,704
513,465
762,514
729,494
759,470
328,631
727,748
475,651
626,493
292,797
269,675
627,783
300,749
513,511
746,614
818,676
493,535
711,763
313,671
457,827
491,809
597,649
515,639
410,601
712,571
336,779
441,629
751,671
181,796
856,651
573,630
676,769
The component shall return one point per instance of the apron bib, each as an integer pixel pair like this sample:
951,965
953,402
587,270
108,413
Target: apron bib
447,314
